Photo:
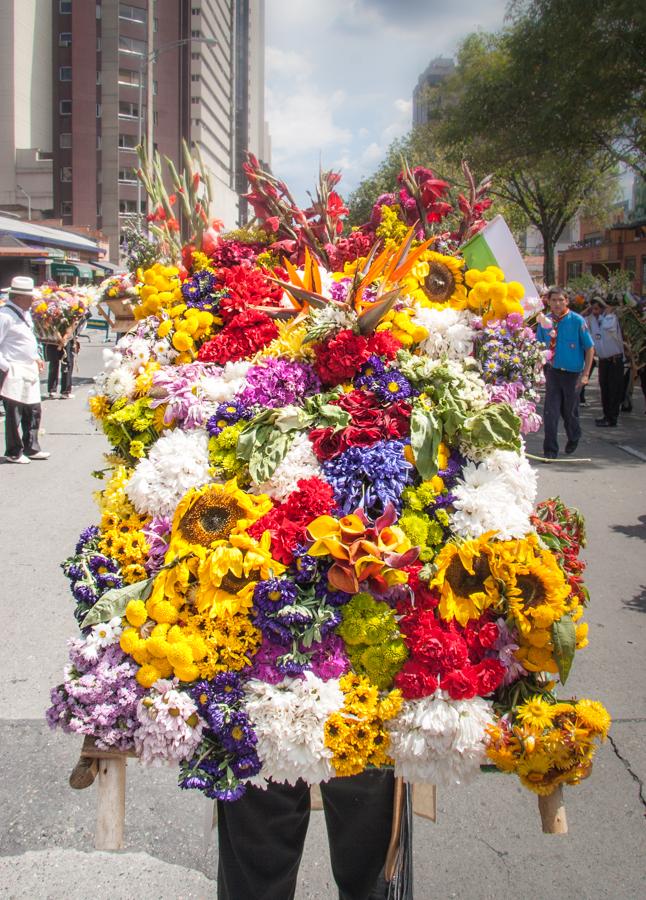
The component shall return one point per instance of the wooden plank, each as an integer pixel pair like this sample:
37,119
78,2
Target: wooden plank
552,810
111,804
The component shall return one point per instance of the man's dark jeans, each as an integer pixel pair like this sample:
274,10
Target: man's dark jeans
261,837
611,382
561,401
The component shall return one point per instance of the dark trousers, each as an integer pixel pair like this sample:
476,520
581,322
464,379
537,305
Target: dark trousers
261,837
63,361
611,383
25,418
561,401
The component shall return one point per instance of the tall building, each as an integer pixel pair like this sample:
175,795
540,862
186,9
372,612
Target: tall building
25,107
192,64
423,102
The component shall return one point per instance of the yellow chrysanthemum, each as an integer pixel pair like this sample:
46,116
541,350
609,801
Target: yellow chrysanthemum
436,280
536,713
99,406
594,716
464,579
288,344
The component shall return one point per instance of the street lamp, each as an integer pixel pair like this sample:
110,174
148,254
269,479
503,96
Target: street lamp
21,188
147,64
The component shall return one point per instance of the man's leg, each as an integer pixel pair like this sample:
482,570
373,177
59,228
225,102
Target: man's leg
615,387
551,412
358,816
604,387
261,838
52,356
30,414
67,367
13,443
570,408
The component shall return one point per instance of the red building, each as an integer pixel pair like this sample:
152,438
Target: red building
621,247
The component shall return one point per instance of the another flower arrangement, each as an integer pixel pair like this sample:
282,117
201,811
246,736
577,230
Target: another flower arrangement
318,548
60,311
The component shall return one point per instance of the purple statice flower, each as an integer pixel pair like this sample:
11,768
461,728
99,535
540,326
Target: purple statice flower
88,534
339,289
157,533
279,382
98,698
75,572
369,477
392,385
370,372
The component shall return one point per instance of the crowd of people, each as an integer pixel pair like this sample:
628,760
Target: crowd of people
577,343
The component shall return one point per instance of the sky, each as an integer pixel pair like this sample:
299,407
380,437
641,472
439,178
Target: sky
340,76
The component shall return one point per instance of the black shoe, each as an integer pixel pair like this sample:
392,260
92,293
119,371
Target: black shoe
571,446
604,423
627,407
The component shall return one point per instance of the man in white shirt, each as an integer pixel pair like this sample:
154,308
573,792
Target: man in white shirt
20,368
609,347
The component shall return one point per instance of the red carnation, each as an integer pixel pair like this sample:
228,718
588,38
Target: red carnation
382,343
461,684
340,358
490,673
243,336
415,681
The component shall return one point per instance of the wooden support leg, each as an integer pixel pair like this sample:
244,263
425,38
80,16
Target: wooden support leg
111,804
552,811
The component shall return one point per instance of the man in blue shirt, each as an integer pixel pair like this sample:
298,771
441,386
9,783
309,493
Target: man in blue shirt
568,369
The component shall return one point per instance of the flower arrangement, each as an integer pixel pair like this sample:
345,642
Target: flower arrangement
318,548
59,311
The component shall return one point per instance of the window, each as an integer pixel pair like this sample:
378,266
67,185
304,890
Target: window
196,34
195,99
195,56
196,77
65,107
66,173
65,7
66,207
155,24
65,139
98,76
128,76
128,110
99,210
630,265
65,39
129,207
131,45
65,73
99,176
155,118
98,10
98,45
99,141
128,176
574,270
132,13
155,86
127,141
98,110
195,10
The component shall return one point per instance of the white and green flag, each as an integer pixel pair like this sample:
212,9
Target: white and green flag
495,246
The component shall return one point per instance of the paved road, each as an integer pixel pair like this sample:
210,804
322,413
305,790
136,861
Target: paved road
487,842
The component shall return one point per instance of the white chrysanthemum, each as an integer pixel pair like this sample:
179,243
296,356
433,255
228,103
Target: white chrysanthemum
438,740
177,462
100,636
299,462
139,351
225,385
496,494
450,332
170,729
289,720
120,383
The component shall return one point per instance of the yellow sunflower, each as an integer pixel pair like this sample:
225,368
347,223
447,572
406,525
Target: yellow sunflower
537,592
464,579
436,280
213,513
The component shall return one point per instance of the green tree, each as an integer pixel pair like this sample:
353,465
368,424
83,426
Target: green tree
479,121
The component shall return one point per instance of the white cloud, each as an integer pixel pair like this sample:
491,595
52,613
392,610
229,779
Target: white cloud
286,64
304,120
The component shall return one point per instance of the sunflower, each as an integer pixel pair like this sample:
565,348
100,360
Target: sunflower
436,280
464,579
213,513
537,592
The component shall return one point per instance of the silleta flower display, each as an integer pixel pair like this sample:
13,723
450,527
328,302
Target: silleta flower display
319,548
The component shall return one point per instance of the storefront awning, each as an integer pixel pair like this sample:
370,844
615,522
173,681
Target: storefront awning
71,270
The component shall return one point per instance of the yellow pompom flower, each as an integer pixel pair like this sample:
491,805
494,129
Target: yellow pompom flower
182,341
147,675
136,613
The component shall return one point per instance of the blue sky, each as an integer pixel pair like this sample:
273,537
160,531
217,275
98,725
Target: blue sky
340,77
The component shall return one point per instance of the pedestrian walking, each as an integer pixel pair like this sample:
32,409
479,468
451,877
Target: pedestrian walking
572,354
20,368
609,347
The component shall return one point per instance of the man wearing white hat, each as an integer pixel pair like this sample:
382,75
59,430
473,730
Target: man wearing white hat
20,368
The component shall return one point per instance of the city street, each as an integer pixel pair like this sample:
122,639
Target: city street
487,842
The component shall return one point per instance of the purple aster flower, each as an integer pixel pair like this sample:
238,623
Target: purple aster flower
274,593
84,594
237,734
75,572
369,477
278,382
392,385
107,580
370,372
305,568
197,780
86,536
99,564
246,766
226,414
228,794
200,291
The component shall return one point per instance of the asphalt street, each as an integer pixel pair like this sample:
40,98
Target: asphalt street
487,842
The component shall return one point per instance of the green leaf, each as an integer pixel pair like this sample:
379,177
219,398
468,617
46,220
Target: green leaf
333,415
564,640
266,457
113,602
425,437
495,426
